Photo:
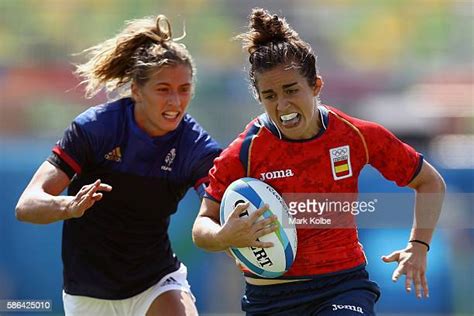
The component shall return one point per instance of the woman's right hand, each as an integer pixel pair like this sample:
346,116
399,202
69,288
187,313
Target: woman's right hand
85,198
42,202
244,231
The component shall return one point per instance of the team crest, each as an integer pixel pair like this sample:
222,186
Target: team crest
169,160
341,162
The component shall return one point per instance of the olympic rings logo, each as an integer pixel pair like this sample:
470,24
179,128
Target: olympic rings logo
339,152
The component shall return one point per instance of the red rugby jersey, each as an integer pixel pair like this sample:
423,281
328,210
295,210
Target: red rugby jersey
315,168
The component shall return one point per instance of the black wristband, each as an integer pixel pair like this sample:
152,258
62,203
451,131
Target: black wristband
421,242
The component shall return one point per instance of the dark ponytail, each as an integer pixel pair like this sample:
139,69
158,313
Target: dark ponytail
271,41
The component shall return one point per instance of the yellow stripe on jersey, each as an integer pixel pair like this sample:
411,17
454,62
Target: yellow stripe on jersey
358,132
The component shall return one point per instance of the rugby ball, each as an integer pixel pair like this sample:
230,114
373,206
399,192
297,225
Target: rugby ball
265,262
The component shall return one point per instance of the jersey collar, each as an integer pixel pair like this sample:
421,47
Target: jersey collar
266,121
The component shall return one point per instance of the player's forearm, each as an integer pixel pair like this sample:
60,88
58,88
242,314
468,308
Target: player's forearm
428,205
41,208
206,235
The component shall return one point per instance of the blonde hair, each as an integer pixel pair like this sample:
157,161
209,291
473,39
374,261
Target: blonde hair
143,46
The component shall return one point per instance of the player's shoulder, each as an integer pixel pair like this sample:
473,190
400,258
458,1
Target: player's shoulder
104,114
192,136
105,121
242,140
364,126
250,130
191,127
194,132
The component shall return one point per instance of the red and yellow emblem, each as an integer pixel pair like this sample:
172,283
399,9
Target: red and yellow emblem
341,162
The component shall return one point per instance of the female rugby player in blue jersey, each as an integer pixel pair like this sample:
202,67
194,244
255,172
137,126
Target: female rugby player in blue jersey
116,251
315,149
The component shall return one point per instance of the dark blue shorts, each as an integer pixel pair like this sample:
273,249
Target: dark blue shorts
349,293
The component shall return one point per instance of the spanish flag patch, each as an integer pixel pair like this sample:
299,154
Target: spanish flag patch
341,162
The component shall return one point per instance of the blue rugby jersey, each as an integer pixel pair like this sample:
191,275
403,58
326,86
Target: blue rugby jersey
120,246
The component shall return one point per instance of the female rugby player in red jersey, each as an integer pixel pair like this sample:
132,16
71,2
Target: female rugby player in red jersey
116,252
299,134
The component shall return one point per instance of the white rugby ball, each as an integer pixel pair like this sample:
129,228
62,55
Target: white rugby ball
265,262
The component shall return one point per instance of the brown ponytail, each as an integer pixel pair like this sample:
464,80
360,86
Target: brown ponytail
142,45
271,41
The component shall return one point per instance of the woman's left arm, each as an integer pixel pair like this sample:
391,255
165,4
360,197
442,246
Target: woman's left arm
430,188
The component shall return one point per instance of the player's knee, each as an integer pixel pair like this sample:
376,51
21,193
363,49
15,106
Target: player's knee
173,303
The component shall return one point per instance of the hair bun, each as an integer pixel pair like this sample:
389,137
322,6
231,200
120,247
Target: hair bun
266,28
270,42
276,25
163,28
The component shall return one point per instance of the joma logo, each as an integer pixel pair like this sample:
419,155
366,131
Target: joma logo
357,309
276,174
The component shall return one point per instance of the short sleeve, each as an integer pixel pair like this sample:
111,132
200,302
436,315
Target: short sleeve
395,160
207,151
72,152
227,168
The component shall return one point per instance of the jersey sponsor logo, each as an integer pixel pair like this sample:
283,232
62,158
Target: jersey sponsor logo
276,174
169,160
341,162
354,308
170,281
114,155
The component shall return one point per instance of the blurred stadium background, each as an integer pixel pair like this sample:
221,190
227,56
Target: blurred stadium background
407,64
